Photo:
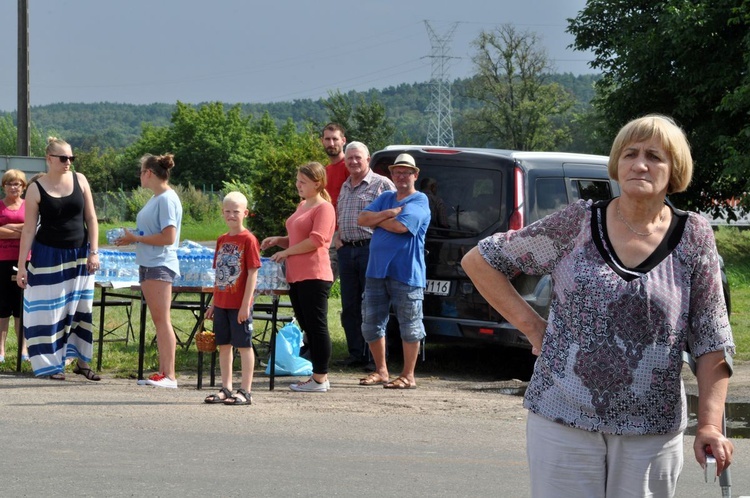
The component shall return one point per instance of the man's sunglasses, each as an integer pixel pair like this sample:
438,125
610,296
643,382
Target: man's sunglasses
64,159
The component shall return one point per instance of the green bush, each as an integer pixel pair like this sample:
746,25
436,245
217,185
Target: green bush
243,188
134,201
196,204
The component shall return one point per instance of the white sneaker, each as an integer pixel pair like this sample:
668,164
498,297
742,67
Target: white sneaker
162,381
144,382
311,386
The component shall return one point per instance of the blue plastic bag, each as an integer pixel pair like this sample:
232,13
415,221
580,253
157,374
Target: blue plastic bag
288,360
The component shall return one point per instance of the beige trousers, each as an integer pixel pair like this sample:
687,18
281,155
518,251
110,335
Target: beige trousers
569,462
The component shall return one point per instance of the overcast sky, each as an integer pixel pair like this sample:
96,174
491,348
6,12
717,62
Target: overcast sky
242,51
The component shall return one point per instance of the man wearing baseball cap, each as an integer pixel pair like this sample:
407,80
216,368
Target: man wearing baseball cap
396,273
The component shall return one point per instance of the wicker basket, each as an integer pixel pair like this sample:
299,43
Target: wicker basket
205,341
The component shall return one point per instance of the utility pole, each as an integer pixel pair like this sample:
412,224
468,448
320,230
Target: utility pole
440,127
23,142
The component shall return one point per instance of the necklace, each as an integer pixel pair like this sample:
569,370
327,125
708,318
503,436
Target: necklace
640,234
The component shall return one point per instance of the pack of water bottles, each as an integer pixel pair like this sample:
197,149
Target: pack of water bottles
271,276
117,267
115,233
120,268
196,265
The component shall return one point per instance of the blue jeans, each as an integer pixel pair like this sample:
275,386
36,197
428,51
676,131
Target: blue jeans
380,295
352,270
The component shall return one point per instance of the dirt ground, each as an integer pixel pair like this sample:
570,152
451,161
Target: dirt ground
461,393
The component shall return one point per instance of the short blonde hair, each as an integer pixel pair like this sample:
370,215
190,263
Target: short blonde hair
672,138
14,175
236,197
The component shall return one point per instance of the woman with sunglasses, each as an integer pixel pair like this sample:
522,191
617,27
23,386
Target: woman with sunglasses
156,254
59,281
11,223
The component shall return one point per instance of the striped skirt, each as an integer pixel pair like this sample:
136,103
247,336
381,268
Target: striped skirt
57,305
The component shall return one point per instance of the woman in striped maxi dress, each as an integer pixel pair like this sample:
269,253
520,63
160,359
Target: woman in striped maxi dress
59,280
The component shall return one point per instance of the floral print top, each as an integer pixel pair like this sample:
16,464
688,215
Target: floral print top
611,357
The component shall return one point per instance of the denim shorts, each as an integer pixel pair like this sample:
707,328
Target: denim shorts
382,293
156,273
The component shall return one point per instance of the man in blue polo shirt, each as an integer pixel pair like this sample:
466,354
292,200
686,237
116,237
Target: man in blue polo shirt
396,273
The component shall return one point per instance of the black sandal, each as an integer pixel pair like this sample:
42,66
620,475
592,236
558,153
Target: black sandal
86,372
216,398
241,397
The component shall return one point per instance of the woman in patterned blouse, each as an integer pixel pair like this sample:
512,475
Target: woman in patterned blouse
636,283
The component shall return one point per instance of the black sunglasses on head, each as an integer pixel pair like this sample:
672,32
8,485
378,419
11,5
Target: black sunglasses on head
64,159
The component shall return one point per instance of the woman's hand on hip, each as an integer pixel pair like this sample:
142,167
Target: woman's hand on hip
536,338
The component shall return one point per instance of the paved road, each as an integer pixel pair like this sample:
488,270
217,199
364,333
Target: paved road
446,438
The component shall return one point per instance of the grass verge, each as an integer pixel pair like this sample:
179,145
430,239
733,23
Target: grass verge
120,359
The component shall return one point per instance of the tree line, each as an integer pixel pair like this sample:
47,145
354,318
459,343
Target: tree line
686,60
114,125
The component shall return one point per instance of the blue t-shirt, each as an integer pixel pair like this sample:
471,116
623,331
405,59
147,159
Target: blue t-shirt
160,211
400,256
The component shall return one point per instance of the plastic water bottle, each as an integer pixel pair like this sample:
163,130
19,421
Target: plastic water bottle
182,261
114,273
101,274
131,269
185,269
193,274
111,266
260,284
207,273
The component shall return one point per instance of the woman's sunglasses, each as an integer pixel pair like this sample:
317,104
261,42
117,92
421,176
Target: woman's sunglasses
64,159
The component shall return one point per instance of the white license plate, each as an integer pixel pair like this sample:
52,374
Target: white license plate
438,287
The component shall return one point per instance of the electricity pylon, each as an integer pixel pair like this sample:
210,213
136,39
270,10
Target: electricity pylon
440,127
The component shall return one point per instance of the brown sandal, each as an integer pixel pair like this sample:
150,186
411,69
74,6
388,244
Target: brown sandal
374,379
400,383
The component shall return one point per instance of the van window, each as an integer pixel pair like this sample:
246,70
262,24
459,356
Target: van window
550,196
595,190
461,204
